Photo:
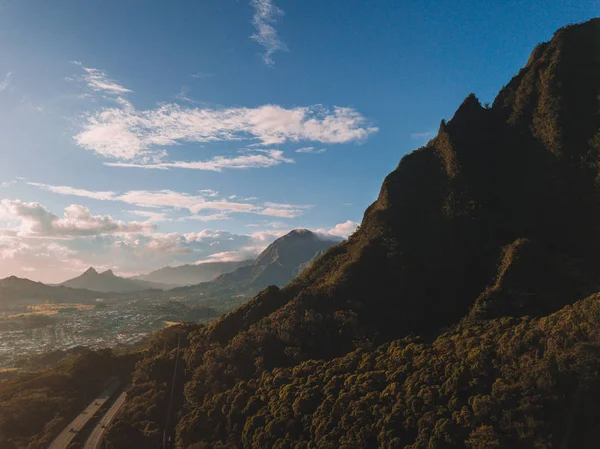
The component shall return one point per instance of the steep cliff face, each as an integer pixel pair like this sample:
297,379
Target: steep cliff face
525,168
431,244
496,217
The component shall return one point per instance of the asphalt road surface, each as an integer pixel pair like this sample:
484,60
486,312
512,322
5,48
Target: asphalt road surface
95,439
67,435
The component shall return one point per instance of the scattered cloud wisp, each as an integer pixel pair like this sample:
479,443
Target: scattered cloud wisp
311,150
264,159
264,21
4,84
98,81
205,201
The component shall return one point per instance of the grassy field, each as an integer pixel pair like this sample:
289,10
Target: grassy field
50,309
171,323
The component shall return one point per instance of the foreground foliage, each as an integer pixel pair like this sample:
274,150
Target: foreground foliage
508,382
36,406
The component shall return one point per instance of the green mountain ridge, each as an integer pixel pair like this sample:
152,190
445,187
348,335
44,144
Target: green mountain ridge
453,318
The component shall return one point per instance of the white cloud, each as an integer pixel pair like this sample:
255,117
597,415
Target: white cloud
151,216
284,210
341,229
206,218
129,134
44,260
56,257
66,190
99,81
264,238
210,192
193,203
204,246
270,158
4,84
311,150
245,253
255,243
37,221
205,201
264,20
173,243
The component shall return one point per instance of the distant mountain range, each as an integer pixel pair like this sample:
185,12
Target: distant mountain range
107,281
278,264
17,291
191,274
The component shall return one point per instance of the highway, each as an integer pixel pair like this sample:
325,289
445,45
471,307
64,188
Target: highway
66,436
95,439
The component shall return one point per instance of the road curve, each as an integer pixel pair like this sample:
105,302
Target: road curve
95,439
66,436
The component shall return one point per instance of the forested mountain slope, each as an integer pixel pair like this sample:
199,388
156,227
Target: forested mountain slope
450,318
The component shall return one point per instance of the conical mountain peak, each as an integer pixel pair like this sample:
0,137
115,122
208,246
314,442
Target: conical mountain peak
90,270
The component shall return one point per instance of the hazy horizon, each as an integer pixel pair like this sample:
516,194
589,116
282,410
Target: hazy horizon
129,149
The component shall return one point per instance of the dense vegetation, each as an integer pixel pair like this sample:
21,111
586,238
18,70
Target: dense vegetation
161,367
36,406
508,382
453,318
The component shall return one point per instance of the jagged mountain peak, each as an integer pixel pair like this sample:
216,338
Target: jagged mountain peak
90,271
107,281
291,248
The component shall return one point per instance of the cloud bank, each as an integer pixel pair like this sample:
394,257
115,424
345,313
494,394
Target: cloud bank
139,138
36,221
129,134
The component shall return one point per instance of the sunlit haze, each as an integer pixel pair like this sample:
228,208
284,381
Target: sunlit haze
139,136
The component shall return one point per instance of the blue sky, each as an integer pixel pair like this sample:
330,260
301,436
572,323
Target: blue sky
135,137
